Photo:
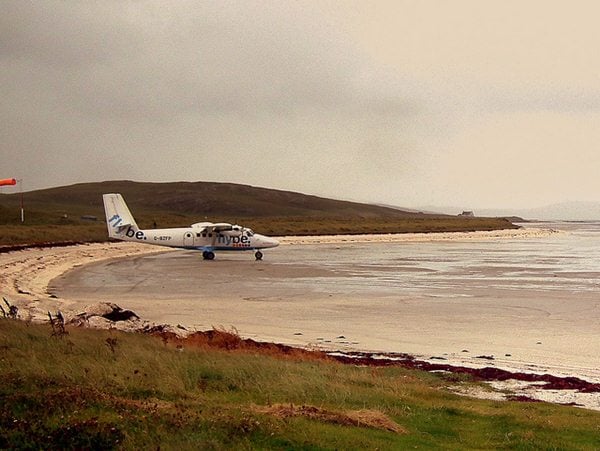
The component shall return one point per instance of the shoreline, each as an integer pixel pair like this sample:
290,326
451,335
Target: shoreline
26,274
64,253
532,232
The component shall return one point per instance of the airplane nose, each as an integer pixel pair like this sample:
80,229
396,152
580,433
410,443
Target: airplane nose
266,241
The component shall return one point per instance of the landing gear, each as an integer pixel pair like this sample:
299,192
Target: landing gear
208,255
258,255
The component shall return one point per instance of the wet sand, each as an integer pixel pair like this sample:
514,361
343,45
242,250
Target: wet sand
286,303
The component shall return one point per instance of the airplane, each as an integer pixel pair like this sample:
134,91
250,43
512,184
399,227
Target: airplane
207,237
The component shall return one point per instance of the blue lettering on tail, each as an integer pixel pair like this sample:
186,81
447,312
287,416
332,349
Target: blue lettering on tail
117,220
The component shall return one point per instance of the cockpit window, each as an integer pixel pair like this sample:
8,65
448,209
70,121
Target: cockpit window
249,232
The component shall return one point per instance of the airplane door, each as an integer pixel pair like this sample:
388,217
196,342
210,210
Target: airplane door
188,239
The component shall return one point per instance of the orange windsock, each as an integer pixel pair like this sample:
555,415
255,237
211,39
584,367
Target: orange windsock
8,182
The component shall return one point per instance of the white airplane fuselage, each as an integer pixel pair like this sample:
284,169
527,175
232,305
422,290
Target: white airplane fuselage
204,236
194,238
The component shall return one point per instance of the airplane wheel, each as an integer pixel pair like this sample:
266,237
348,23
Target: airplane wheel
208,255
258,255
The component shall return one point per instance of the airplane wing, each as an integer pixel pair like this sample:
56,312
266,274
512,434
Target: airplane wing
213,227
222,227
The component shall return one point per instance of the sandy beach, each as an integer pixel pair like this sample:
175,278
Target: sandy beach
25,274
419,237
29,278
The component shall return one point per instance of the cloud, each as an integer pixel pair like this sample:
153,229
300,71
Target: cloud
64,35
338,99
568,100
137,60
255,92
520,159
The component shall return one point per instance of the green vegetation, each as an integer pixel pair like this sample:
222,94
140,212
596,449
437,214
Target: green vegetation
332,226
65,213
26,234
104,389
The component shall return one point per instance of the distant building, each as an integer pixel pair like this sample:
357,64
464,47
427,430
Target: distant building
467,213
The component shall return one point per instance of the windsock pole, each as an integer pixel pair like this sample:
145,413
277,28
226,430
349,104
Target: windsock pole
12,182
22,206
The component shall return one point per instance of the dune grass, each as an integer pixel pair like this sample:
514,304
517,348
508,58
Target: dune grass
105,389
85,231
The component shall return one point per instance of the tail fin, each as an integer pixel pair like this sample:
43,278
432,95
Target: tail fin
119,219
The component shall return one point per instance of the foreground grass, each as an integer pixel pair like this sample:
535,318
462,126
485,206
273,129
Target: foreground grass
103,389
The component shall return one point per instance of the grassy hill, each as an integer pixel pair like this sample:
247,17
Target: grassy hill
196,199
56,213
100,389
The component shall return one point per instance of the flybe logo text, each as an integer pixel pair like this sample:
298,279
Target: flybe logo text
139,235
234,240
115,221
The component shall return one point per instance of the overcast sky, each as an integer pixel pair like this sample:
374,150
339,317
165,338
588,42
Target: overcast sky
464,103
